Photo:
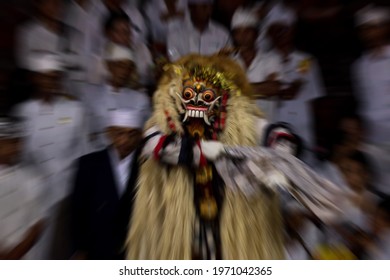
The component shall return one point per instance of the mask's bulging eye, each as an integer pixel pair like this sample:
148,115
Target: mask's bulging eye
188,94
208,96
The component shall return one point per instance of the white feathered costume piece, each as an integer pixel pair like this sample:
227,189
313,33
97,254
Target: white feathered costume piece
252,170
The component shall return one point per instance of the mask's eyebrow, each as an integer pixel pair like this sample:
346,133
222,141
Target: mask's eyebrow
188,87
209,89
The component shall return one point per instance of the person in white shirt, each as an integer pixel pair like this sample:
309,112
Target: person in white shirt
82,15
21,213
57,137
372,87
117,31
139,30
113,95
273,12
261,68
160,15
46,33
199,34
303,235
301,79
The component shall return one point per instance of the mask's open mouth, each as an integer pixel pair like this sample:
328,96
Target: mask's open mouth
198,111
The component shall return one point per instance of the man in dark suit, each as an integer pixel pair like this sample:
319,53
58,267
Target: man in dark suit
104,189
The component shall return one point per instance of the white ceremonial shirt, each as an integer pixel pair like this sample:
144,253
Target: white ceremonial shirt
121,169
57,136
21,206
372,80
372,87
144,63
298,111
184,39
89,42
263,65
157,27
33,36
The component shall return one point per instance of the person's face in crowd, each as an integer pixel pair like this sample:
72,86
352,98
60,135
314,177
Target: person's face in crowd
200,13
82,3
380,220
50,8
124,140
113,5
374,35
120,33
120,71
245,37
9,150
355,174
352,129
47,83
281,35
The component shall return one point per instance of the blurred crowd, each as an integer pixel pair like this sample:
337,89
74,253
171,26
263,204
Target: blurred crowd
84,68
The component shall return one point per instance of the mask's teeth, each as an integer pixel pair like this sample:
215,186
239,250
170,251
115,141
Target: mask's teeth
206,119
201,114
185,117
196,114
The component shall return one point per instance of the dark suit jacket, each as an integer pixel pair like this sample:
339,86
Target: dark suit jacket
99,216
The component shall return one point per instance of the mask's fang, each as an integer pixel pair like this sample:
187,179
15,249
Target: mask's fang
185,117
206,119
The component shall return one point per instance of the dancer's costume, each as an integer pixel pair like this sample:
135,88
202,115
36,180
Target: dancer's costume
203,192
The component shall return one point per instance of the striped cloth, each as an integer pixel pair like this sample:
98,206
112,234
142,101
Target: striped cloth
252,170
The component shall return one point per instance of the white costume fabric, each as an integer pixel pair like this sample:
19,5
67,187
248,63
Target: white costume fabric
184,39
253,165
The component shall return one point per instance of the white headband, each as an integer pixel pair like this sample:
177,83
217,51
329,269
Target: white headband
44,62
126,118
281,15
116,52
372,15
244,18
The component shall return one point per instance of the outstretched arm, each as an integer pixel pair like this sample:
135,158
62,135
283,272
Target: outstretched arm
177,150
